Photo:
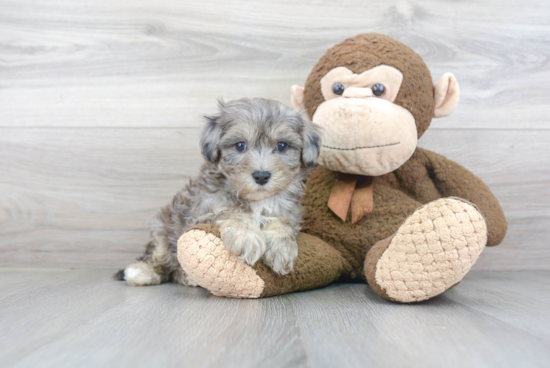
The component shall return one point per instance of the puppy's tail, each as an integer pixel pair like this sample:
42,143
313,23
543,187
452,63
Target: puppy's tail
119,276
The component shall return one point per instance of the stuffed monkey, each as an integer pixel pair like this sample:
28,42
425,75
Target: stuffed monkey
379,209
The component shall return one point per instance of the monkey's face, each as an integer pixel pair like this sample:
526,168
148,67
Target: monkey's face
365,132
374,97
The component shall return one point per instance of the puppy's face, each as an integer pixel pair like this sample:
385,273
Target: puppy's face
261,145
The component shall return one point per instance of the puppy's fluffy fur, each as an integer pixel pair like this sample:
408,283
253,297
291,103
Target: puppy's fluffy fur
257,219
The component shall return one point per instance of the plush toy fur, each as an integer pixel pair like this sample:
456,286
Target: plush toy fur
430,221
416,92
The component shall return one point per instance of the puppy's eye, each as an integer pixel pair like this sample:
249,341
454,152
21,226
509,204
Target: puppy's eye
338,89
282,146
241,146
378,89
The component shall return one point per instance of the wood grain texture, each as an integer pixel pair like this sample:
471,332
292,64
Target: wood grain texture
81,318
161,63
100,106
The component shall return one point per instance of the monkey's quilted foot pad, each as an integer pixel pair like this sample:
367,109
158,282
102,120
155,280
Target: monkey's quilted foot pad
432,251
206,260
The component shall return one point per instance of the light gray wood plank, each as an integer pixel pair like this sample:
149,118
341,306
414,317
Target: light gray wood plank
103,322
84,197
515,298
82,318
441,332
149,63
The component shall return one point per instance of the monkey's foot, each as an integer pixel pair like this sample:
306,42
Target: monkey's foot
429,254
205,259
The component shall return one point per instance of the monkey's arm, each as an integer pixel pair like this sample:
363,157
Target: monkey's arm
451,179
204,257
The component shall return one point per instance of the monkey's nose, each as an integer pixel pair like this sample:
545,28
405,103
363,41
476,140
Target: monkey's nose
261,177
354,92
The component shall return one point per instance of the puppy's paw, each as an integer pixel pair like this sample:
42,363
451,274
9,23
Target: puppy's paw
246,242
281,254
180,276
141,274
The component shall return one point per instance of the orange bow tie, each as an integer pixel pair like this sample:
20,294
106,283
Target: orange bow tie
354,190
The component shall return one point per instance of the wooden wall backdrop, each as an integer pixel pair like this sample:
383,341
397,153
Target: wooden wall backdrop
101,104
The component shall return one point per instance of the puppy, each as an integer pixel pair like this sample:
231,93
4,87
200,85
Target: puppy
258,155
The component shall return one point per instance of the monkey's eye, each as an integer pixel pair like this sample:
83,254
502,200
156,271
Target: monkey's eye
378,89
241,146
338,89
282,146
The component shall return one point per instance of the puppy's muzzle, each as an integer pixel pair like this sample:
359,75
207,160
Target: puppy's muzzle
261,177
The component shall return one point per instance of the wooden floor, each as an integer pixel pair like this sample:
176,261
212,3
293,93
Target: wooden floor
81,318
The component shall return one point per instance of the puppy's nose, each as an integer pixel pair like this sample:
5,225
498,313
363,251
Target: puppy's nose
261,177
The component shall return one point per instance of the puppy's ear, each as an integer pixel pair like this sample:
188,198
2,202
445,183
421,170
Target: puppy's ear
210,138
312,135
212,133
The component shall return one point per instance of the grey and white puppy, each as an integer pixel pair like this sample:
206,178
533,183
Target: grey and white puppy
258,155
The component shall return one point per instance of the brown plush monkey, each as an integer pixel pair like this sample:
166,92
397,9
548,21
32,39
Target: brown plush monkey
380,209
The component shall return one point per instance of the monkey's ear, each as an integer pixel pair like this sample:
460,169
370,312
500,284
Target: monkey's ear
312,136
210,138
446,94
296,96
